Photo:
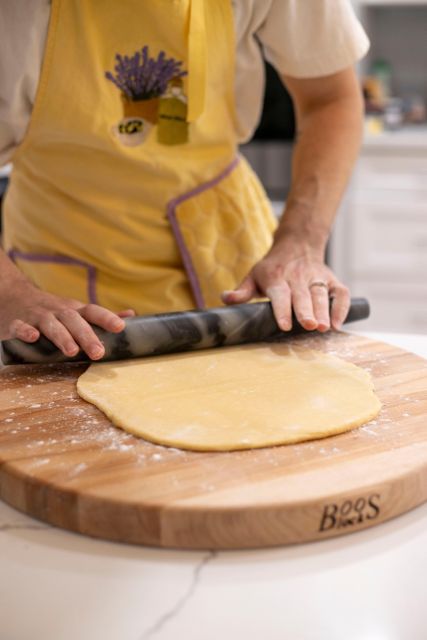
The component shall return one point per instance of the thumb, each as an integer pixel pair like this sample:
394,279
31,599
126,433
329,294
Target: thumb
243,293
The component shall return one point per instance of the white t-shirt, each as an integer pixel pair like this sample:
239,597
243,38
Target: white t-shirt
300,38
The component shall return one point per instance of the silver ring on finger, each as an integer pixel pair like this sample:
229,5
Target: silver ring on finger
318,283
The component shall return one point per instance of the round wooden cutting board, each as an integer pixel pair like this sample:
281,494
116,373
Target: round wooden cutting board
62,461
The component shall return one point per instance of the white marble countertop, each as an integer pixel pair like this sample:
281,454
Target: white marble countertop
370,585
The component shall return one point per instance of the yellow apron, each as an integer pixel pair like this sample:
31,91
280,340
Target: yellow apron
127,190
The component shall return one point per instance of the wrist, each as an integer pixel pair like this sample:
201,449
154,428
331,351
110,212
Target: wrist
298,241
14,283
307,218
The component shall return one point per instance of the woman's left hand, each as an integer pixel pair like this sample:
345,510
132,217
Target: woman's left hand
295,278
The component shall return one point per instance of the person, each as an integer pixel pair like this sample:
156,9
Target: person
127,194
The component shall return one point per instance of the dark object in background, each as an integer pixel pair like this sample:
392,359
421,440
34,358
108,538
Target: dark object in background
270,150
3,187
278,119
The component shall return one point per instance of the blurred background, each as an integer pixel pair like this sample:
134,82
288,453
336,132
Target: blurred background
379,243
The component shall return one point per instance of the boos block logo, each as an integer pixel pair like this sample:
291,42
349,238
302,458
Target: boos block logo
152,94
350,512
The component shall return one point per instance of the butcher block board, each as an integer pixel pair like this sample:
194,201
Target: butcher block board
62,461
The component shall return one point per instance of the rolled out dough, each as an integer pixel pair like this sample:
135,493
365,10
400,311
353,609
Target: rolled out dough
232,398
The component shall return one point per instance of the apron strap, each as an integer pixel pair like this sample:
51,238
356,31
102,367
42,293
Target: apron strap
197,60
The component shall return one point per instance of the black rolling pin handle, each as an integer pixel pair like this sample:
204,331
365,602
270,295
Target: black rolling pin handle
359,310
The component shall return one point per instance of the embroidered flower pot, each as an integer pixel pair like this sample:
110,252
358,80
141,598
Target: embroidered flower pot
145,109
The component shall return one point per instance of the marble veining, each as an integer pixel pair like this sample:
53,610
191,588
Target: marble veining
174,332
174,611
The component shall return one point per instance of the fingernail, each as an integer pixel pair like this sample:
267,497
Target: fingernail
285,325
96,352
71,349
309,321
323,327
118,324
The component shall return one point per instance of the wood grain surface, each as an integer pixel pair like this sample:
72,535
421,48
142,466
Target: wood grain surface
62,461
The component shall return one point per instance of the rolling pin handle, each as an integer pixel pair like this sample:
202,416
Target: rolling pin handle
359,310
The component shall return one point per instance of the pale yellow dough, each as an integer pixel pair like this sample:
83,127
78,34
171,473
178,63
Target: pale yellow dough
232,398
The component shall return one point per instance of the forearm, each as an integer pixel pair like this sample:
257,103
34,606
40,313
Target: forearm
329,136
10,275
293,273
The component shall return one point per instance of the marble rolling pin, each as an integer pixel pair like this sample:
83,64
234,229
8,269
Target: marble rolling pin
173,332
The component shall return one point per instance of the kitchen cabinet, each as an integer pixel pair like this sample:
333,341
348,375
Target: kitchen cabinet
379,243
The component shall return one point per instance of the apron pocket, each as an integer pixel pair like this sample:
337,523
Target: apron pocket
60,275
222,228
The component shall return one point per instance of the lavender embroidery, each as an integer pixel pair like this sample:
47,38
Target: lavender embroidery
141,77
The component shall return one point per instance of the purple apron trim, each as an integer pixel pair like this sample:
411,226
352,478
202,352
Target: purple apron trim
171,215
40,257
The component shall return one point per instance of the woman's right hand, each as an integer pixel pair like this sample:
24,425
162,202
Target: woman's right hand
26,313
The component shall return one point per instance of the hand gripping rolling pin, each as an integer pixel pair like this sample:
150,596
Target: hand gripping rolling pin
173,332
